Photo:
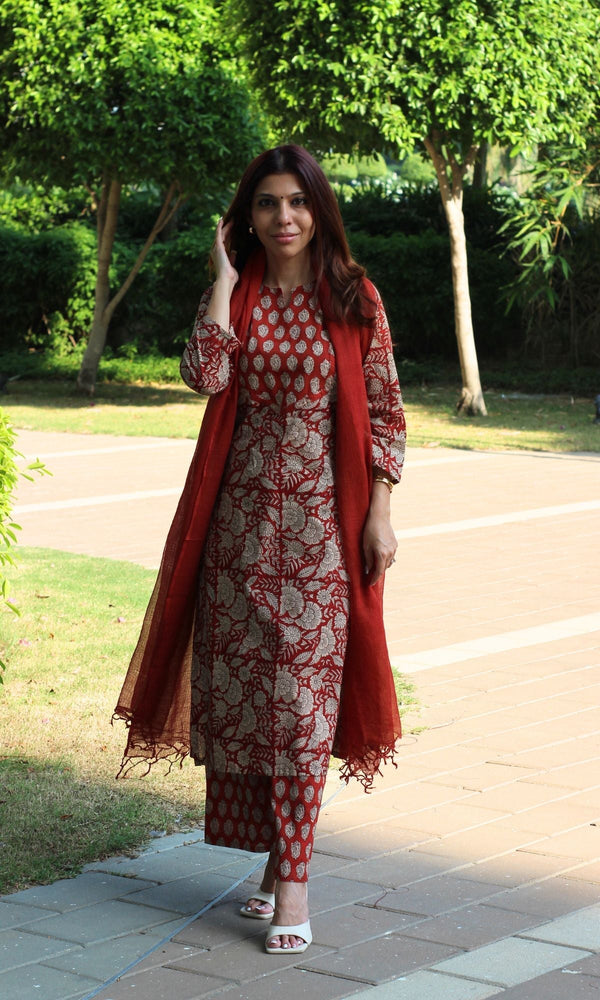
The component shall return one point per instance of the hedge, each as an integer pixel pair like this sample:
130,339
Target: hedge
47,291
47,288
46,299
414,278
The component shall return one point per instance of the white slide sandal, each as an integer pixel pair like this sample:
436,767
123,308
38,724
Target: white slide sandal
264,897
299,930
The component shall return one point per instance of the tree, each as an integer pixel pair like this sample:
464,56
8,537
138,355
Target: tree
107,93
436,75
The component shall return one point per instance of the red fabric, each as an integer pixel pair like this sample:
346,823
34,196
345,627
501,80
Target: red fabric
368,722
259,813
155,698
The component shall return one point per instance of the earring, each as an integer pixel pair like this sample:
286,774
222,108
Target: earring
251,229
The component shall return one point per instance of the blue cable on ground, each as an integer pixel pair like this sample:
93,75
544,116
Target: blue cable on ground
186,923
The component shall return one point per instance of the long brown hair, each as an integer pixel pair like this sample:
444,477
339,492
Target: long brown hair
331,257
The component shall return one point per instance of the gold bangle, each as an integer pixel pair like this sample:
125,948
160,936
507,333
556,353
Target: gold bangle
383,479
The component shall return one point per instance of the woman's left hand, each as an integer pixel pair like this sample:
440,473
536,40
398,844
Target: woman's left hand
379,541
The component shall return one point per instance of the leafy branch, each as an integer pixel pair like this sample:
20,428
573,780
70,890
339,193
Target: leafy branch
539,227
9,477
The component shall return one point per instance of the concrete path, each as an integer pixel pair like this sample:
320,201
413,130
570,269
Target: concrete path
473,870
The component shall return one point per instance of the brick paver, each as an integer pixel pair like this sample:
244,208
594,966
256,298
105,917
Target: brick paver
473,870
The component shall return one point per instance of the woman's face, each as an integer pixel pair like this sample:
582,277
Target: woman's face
282,216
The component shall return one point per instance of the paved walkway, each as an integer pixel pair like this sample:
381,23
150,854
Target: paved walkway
473,870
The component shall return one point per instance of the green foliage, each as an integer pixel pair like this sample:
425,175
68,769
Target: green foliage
414,169
47,291
128,364
104,93
34,207
539,231
557,295
97,88
408,210
555,241
348,169
417,209
400,234
9,475
498,70
403,243
138,209
159,310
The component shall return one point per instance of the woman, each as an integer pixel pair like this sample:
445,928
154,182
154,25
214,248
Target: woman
268,606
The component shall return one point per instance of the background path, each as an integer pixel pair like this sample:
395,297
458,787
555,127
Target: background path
473,870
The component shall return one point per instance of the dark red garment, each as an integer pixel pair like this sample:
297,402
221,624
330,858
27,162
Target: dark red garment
260,814
155,698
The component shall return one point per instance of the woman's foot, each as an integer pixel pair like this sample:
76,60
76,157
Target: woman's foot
291,910
260,906
256,906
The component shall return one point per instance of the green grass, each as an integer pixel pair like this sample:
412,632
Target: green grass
539,423
66,657
134,410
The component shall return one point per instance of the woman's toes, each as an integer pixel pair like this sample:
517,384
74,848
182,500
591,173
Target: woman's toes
285,942
258,905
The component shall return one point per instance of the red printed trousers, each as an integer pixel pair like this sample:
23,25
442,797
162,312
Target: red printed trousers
260,813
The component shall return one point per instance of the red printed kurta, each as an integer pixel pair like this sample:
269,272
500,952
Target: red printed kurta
272,607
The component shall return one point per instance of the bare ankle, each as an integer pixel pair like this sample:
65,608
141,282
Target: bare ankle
269,882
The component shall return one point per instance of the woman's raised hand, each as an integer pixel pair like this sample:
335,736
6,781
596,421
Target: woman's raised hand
222,261
226,277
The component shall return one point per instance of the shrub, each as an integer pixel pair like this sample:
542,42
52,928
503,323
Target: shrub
344,168
569,328
415,209
398,232
47,289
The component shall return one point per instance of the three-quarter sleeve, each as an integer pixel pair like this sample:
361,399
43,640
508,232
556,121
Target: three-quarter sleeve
205,365
386,413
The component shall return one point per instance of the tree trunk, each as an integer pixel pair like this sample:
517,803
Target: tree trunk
86,379
480,172
108,212
471,400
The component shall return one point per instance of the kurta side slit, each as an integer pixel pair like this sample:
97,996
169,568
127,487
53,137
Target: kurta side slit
273,601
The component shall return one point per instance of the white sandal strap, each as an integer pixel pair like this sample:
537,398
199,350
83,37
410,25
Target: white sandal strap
298,930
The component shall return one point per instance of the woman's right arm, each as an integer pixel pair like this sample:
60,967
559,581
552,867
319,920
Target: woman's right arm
205,365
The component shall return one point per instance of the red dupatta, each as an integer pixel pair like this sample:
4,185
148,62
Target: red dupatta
155,700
